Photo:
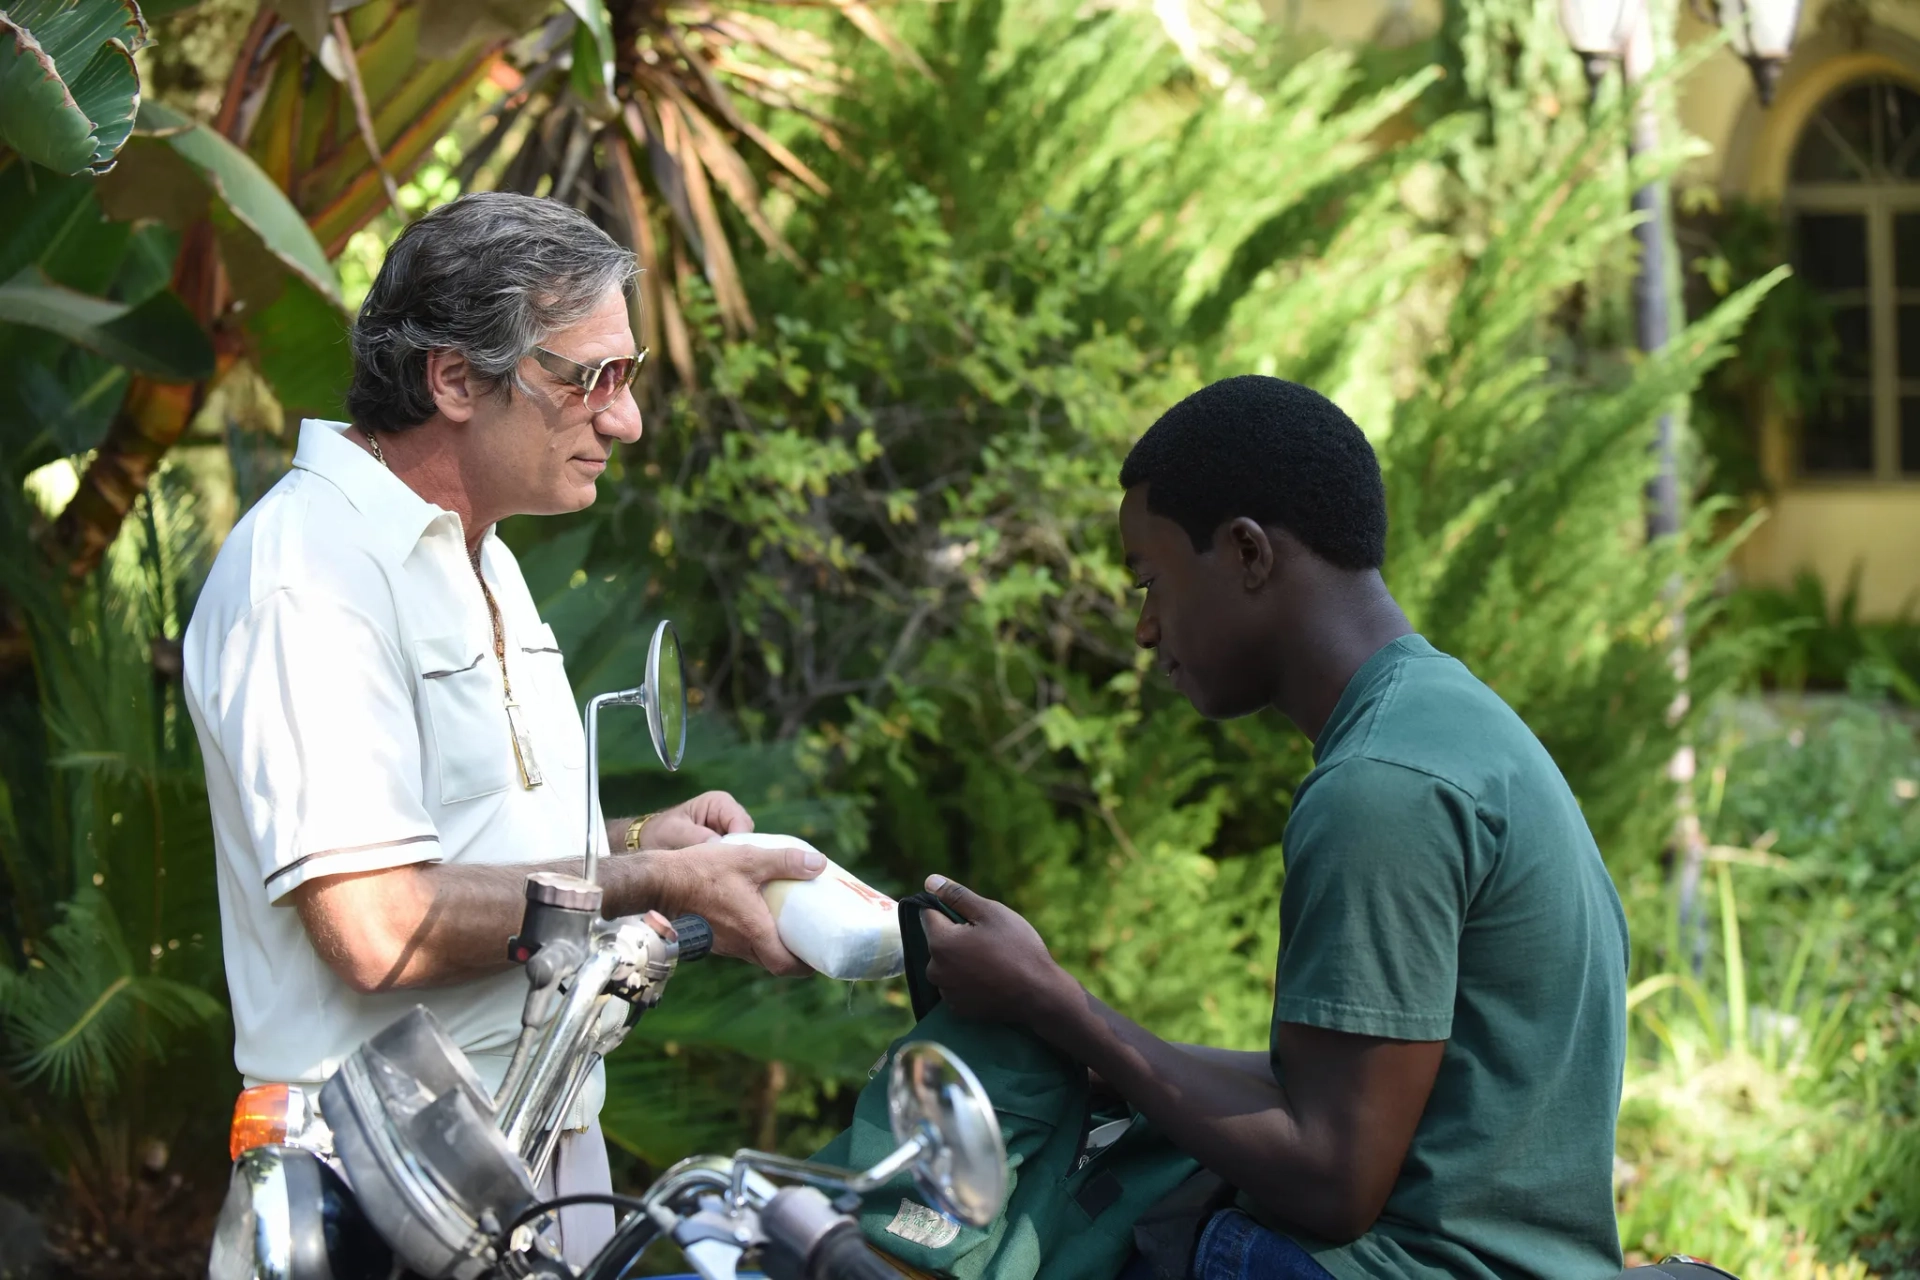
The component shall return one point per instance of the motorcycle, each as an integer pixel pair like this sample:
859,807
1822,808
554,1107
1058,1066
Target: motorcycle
411,1167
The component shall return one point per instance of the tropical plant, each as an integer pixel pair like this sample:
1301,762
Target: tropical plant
252,276
642,114
88,306
114,1047
1815,644
68,85
247,276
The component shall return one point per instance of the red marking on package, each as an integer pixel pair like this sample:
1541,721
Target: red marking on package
874,896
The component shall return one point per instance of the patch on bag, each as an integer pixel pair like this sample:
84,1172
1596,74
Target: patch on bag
922,1226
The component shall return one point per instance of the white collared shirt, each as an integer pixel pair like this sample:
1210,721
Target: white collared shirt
341,674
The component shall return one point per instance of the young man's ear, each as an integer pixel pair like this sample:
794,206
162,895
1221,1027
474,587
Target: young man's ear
1253,551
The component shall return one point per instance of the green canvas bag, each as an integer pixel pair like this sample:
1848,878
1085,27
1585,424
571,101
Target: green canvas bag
1070,1213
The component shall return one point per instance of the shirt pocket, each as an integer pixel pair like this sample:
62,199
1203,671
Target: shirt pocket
472,742
540,654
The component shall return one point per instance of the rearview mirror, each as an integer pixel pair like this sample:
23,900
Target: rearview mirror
935,1098
663,696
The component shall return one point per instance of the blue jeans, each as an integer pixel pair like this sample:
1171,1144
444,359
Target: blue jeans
1235,1247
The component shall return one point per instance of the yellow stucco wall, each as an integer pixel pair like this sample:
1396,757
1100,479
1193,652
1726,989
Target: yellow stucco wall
1831,528
1834,529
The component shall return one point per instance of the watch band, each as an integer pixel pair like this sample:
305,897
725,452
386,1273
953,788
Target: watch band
634,828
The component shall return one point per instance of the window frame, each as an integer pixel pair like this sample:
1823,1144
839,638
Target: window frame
1877,200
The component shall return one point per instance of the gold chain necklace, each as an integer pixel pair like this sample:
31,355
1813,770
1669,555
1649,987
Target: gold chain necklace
530,776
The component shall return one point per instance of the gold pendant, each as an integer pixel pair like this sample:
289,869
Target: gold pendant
523,748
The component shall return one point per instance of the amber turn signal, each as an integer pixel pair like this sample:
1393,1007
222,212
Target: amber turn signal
259,1118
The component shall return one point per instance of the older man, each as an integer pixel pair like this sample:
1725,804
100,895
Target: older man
391,742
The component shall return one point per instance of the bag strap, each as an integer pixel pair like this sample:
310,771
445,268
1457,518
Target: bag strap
913,945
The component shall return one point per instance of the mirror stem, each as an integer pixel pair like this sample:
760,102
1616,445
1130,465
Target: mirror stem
902,1158
594,703
831,1177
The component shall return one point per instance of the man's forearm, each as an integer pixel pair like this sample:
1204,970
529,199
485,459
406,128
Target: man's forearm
439,924
1236,1121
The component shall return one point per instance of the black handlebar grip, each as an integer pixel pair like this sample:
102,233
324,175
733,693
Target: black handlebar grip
842,1254
696,936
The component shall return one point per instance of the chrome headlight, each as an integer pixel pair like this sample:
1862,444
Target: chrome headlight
288,1216
413,1126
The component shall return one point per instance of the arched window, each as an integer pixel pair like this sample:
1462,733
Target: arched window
1854,202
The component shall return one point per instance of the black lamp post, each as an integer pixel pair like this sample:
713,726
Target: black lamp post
1603,32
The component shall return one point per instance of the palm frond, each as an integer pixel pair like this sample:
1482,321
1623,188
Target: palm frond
682,74
81,1011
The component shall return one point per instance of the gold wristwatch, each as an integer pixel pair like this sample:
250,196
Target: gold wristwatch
634,828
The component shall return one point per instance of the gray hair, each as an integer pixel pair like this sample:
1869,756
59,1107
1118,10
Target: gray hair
490,275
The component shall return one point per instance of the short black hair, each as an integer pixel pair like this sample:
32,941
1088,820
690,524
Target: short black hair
1273,451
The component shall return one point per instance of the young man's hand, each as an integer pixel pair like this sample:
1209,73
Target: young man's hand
995,967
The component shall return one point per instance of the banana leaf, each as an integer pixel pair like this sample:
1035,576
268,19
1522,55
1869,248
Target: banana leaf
158,337
176,169
68,86
307,141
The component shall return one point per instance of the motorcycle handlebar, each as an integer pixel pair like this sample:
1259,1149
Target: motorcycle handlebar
842,1254
696,936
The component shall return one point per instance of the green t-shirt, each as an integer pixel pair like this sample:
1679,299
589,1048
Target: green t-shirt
1443,885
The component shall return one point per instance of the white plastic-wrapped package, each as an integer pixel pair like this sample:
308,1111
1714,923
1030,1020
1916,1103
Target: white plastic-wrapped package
841,927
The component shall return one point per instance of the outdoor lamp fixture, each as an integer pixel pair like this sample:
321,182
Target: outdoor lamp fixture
1598,31
1760,31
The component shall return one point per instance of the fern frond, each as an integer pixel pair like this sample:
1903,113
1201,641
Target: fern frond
81,1011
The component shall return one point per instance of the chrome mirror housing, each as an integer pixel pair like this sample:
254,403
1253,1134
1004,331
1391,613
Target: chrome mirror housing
935,1101
663,696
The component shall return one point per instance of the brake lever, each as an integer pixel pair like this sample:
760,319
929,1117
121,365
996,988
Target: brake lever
715,1238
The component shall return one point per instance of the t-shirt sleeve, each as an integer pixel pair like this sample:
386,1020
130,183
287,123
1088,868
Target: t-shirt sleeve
1374,900
316,723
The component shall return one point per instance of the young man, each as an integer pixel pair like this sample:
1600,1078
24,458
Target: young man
1449,1017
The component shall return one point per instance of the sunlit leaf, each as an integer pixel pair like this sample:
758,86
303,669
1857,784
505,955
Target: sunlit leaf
68,85
246,192
592,51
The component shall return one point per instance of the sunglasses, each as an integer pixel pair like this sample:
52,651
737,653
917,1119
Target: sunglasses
601,383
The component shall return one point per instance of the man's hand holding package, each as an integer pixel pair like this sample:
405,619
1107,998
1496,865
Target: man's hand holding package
706,817
1322,1152
722,882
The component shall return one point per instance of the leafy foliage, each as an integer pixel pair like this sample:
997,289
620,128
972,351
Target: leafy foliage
109,309
1770,1118
68,85
115,1049
75,1013
1785,360
1814,644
